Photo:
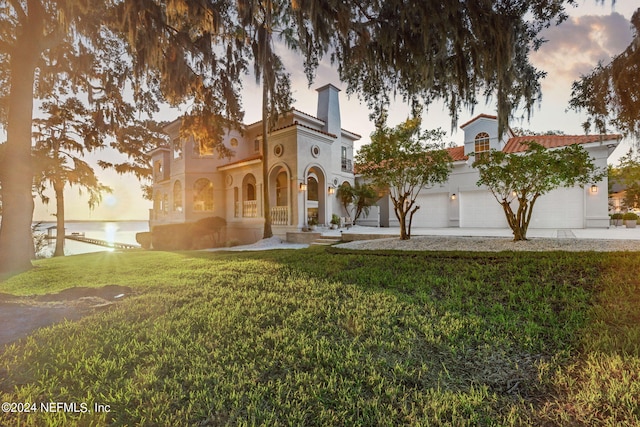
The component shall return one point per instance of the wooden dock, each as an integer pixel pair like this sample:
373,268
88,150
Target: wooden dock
106,244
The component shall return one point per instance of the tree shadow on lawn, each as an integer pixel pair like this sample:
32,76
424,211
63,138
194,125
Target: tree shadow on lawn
21,315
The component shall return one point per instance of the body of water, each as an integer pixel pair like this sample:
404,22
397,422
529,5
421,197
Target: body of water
111,231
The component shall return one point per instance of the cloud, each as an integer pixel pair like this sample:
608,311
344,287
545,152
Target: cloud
575,47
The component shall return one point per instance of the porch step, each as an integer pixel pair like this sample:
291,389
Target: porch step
326,241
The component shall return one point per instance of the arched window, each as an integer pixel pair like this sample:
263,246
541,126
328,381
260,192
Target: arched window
482,142
312,188
203,195
177,196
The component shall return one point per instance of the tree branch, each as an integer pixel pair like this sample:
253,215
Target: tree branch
22,16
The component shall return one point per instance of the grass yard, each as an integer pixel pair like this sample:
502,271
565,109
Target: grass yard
330,337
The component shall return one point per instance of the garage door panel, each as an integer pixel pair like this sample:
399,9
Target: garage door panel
479,209
433,212
562,208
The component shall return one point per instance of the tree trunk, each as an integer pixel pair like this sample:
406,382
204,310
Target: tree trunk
518,223
60,232
402,217
265,166
16,240
411,214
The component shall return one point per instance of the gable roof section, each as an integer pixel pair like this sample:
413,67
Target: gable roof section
479,116
517,143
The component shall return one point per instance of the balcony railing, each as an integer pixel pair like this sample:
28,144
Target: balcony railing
280,215
347,165
250,209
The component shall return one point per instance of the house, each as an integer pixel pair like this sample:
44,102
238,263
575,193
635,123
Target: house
461,203
308,158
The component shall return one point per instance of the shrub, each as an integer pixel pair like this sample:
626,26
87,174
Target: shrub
144,239
206,233
630,216
335,219
171,237
616,216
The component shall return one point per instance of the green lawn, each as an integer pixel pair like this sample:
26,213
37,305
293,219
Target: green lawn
330,337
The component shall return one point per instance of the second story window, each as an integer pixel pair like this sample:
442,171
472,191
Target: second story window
482,142
203,195
177,196
158,170
177,148
345,162
202,149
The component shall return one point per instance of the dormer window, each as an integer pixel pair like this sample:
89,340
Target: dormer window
482,142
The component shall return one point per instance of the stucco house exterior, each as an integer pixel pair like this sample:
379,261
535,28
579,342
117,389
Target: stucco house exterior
461,203
309,157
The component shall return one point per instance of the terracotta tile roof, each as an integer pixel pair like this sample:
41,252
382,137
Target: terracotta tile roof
479,116
457,153
307,114
517,143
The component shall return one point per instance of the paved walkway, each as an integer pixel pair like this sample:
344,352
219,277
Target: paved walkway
612,233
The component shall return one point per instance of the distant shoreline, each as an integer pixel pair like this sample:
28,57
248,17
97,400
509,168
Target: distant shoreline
91,220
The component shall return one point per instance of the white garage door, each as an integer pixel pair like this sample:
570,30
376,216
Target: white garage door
562,208
479,209
433,212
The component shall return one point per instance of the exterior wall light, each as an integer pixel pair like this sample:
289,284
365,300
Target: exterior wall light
594,189
332,190
303,186
453,196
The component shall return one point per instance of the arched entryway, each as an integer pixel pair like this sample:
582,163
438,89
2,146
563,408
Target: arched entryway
249,197
316,196
280,195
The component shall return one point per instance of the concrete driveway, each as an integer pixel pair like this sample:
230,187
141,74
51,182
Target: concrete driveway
612,233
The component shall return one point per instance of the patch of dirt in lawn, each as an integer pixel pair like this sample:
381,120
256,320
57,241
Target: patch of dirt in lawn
21,315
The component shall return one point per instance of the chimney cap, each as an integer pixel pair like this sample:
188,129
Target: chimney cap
327,86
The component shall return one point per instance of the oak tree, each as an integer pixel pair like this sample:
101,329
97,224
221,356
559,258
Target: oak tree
628,174
300,26
160,51
450,50
62,137
405,160
610,94
517,180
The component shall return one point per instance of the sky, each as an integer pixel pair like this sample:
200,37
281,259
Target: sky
594,32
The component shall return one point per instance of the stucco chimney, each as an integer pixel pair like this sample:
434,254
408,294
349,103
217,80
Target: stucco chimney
329,108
